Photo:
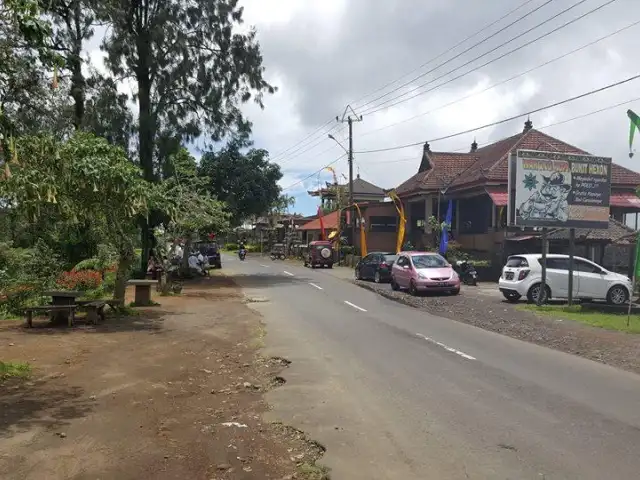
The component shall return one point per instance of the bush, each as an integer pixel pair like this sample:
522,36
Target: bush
24,274
80,280
232,247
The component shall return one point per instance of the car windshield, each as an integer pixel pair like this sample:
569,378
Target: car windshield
390,258
428,261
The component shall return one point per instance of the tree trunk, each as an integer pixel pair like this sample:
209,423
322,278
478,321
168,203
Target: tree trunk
125,260
184,267
78,85
147,129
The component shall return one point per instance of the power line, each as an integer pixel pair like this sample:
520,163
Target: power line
382,106
443,53
319,129
319,153
409,82
406,159
315,173
502,82
514,117
326,124
307,146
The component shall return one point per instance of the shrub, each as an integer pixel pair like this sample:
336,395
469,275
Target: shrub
24,274
232,247
80,280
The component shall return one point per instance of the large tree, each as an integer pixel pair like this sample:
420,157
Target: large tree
246,182
193,67
73,25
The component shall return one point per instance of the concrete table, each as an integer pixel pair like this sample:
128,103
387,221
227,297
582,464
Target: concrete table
61,298
143,291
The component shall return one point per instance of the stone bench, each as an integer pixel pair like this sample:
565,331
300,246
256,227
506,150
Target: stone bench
69,309
143,291
95,310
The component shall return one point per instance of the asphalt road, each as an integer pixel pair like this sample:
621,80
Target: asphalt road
396,393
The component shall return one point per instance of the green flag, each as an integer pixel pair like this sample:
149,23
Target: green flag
635,123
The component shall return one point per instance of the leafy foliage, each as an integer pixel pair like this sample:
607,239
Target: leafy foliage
80,280
247,183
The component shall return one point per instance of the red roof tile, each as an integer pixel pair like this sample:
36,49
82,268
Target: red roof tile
330,221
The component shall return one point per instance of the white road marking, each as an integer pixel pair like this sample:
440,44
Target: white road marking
265,266
314,285
355,306
288,273
447,348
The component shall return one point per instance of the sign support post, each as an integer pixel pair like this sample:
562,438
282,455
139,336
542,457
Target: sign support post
572,240
542,294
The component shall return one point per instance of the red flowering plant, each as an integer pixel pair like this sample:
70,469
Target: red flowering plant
82,280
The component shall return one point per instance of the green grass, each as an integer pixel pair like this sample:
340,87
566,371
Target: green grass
608,321
14,370
310,471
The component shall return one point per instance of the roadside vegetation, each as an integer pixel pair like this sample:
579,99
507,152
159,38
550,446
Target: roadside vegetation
608,321
14,370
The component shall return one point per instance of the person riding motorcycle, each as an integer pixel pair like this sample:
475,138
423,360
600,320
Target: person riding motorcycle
242,250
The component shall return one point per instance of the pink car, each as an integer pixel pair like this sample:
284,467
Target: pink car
424,272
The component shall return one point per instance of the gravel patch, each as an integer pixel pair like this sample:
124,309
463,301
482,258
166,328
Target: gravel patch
613,348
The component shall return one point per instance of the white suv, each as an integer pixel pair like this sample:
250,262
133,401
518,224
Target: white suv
522,274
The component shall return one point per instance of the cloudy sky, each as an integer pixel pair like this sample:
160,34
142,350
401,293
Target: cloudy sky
326,54
393,61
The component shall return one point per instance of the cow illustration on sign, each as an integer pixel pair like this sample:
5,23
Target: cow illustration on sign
549,201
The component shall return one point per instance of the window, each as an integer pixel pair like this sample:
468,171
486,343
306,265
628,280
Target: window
586,267
382,224
558,263
517,262
402,261
429,261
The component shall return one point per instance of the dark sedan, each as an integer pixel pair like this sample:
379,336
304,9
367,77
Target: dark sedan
376,266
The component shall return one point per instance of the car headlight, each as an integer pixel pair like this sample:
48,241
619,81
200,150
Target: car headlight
423,276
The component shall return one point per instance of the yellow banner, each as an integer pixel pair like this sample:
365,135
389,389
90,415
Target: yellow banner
402,219
363,234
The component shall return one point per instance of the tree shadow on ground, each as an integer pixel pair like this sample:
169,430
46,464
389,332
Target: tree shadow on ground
148,320
25,404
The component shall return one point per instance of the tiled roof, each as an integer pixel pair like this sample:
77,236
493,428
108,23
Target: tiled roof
616,233
363,187
489,164
330,222
446,167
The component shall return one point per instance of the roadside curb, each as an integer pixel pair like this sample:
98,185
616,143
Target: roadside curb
387,295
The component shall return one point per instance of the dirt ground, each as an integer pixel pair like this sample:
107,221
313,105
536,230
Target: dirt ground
148,396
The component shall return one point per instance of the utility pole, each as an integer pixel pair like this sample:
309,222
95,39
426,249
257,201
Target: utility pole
347,116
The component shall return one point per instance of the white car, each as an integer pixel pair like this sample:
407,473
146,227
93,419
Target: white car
522,274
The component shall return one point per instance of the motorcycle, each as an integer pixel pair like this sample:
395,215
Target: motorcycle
242,253
468,273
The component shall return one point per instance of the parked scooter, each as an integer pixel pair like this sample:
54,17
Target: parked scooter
467,272
242,253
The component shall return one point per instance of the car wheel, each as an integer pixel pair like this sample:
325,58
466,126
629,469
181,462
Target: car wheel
376,277
534,291
394,286
512,297
617,295
357,273
413,290
455,292
331,265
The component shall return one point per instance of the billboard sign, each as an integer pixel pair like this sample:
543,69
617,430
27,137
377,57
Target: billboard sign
550,189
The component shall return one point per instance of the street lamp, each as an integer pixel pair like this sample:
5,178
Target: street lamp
341,146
